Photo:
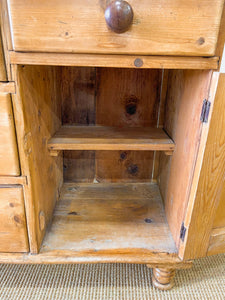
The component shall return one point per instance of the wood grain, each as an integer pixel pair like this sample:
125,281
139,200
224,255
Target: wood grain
3,76
10,180
79,166
6,37
221,38
110,138
216,241
163,278
219,218
78,89
209,184
13,227
7,87
38,116
109,217
154,260
9,162
126,98
159,27
185,95
115,61
160,122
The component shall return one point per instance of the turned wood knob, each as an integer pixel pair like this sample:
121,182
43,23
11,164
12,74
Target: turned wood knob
119,16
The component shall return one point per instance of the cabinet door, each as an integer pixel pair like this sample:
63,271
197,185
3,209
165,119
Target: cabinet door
204,235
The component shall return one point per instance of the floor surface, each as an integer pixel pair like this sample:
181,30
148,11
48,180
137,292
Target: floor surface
206,280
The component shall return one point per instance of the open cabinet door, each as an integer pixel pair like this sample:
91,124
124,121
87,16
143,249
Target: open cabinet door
205,217
206,224
184,122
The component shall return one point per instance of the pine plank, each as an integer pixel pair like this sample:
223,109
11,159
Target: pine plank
114,61
109,217
210,186
159,27
7,87
9,161
110,138
186,91
216,241
13,226
37,110
153,259
126,98
77,89
17,180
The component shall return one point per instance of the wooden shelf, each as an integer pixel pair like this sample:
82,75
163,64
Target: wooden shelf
110,219
110,138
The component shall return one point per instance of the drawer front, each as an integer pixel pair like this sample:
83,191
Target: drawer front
13,229
9,163
171,27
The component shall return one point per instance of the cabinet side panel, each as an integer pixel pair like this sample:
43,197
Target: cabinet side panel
38,116
186,92
126,98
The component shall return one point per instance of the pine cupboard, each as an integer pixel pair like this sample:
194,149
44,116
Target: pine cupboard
112,155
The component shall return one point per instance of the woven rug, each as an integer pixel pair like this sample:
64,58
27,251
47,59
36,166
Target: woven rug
206,280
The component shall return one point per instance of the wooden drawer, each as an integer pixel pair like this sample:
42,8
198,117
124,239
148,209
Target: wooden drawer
171,27
13,229
9,163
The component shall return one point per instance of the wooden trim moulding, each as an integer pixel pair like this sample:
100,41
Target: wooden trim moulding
9,180
69,257
7,87
115,61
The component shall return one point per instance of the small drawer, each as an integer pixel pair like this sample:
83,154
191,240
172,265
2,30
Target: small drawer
13,228
9,163
159,27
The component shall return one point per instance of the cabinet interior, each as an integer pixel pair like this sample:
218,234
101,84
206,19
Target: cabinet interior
112,154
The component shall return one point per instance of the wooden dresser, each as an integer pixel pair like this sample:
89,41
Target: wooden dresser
111,132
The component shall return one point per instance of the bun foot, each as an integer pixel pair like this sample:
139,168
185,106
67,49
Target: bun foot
163,278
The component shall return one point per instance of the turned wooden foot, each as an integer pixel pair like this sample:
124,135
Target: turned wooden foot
163,278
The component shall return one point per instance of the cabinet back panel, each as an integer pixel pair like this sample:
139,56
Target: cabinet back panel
78,89
111,97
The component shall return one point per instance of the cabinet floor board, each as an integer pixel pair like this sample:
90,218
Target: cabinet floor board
111,217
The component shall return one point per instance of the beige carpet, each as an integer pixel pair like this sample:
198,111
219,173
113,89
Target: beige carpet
206,280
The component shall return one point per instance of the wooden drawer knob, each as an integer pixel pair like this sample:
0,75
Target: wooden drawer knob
119,16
